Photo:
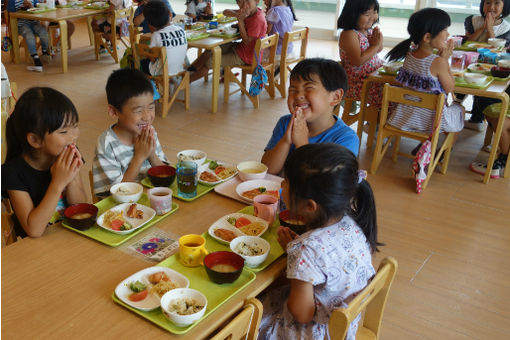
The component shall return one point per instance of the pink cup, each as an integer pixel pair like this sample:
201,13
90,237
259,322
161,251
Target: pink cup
265,207
161,199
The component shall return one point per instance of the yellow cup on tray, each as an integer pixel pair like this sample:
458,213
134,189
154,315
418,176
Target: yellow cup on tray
192,250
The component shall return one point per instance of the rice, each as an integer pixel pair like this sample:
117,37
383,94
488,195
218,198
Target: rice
246,249
185,306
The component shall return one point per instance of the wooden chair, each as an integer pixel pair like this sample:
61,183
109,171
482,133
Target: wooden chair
268,65
95,199
348,117
372,300
428,101
287,60
163,81
99,38
245,325
8,233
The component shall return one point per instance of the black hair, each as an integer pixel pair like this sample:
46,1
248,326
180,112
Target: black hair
124,84
504,13
348,19
330,72
427,20
156,13
328,174
39,110
289,4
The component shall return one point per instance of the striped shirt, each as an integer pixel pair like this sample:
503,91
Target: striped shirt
16,5
112,159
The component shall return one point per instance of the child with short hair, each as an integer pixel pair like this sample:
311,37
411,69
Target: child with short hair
41,174
102,24
252,26
127,149
331,262
197,9
316,86
139,18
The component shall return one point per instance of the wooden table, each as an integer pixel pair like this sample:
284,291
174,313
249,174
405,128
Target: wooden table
60,285
495,90
60,15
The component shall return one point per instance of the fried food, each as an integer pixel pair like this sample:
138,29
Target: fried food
133,212
225,234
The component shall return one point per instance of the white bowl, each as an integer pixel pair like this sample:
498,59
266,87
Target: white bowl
182,293
251,261
126,192
475,78
256,170
504,62
393,66
196,156
495,42
230,30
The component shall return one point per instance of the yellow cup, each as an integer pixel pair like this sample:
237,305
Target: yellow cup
192,250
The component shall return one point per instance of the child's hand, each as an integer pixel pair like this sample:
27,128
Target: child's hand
285,235
27,4
375,39
288,132
145,143
66,167
299,129
244,11
448,50
489,21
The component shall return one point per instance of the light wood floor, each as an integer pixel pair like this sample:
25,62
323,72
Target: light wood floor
452,241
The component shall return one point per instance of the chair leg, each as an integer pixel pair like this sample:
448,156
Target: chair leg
346,114
97,43
226,83
372,117
115,53
379,152
396,147
448,143
270,88
488,136
282,84
166,104
186,90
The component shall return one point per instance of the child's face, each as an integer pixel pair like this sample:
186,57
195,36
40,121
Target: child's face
55,143
250,4
136,114
495,7
368,19
440,40
311,96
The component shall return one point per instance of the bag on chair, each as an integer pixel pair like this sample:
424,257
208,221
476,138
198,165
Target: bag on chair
421,164
127,60
258,79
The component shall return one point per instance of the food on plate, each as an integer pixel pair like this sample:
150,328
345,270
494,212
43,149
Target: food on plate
246,249
184,157
81,216
225,234
221,171
252,229
139,291
206,176
158,277
458,74
124,191
481,67
114,220
185,306
132,212
224,268
163,286
250,194
238,222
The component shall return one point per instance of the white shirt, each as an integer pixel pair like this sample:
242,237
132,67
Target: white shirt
173,38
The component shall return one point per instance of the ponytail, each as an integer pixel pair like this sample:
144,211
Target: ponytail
400,51
289,4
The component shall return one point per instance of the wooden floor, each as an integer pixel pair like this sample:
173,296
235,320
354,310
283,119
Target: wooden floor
452,241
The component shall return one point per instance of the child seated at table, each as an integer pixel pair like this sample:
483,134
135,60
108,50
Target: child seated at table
197,9
252,26
103,24
41,174
164,34
139,18
29,29
316,87
331,262
128,148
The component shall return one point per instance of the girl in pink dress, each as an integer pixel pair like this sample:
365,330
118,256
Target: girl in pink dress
359,45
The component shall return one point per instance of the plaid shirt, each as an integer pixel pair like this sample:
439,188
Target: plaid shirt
112,159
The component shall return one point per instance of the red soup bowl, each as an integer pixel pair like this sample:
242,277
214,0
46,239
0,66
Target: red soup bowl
81,216
223,266
162,175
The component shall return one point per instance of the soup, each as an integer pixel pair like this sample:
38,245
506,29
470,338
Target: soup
160,194
252,171
161,175
192,245
81,216
224,268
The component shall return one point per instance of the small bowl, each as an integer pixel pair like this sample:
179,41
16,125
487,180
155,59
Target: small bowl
230,30
495,42
196,156
393,66
126,192
183,293
223,258
295,223
250,170
83,222
475,78
162,175
504,62
255,260
500,72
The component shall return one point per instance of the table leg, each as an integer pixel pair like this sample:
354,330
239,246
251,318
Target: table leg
89,28
63,43
497,136
15,39
216,78
362,107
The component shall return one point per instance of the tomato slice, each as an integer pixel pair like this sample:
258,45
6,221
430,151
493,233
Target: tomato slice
242,221
273,192
138,296
116,224
219,169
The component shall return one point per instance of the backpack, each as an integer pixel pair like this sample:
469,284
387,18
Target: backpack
127,60
258,79
421,164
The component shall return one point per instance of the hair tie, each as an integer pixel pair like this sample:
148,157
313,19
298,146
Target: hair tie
362,174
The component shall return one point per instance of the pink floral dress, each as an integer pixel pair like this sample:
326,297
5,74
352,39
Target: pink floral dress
357,74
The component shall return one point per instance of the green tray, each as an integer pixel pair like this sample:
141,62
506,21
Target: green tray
89,6
501,79
270,236
225,35
201,189
216,294
198,37
462,83
99,234
41,10
70,6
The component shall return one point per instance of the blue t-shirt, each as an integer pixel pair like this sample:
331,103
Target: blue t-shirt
339,134
144,24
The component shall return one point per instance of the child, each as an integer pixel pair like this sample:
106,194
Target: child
331,262
102,24
130,147
197,9
139,18
426,72
42,168
252,26
359,45
316,86
165,34
491,24
280,18
29,29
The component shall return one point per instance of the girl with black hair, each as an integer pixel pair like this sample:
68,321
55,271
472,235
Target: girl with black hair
280,18
42,168
331,262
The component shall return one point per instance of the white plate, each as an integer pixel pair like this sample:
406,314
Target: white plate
148,214
486,68
152,301
228,188
205,168
478,45
223,223
256,183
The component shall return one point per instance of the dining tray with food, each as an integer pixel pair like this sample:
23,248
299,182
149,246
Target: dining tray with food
229,187
216,294
461,82
113,227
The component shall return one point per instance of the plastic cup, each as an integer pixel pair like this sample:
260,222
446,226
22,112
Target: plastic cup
187,179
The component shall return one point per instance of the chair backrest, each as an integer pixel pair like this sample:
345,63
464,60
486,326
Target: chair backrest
245,325
122,13
297,35
153,53
267,43
372,299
